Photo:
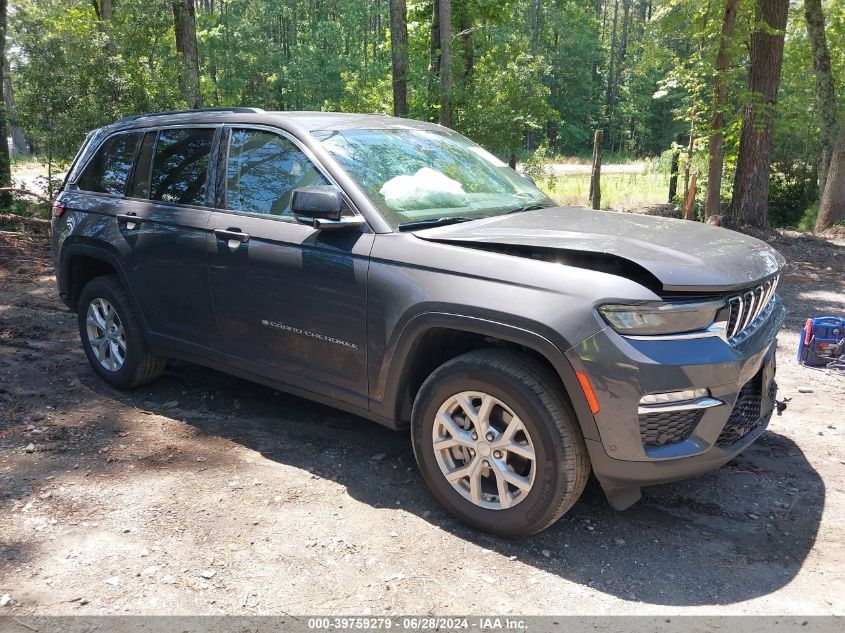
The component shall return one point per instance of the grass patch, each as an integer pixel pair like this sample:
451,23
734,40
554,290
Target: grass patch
618,191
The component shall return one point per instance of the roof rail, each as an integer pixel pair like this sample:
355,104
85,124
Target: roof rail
236,110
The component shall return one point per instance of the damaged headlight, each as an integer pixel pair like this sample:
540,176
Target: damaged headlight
662,318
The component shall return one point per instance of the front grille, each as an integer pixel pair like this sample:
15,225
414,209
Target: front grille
748,305
747,413
670,427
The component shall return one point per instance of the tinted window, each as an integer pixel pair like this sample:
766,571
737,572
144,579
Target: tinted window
141,177
108,170
180,166
263,170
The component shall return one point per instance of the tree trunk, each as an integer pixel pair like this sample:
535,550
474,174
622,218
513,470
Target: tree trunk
611,74
399,54
446,63
105,10
689,200
468,46
712,204
750,202
5,162
185,27
19,144
534,25
825,94
673,169
434,60
595,176
832,206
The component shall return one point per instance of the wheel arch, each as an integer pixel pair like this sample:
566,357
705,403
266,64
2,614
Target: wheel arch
80,263
430,339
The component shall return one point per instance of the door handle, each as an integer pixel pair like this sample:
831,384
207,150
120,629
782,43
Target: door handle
130,218
231,234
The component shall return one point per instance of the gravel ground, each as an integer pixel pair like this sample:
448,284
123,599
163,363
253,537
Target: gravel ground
206,494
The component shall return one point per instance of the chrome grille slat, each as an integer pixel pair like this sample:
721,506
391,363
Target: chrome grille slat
741,308
749,297
747,306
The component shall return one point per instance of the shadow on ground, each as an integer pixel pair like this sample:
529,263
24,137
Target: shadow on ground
729,536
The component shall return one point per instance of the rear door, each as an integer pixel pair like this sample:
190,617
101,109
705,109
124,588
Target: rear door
164,224
290,300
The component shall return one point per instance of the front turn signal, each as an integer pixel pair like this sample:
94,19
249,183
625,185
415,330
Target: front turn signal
587,388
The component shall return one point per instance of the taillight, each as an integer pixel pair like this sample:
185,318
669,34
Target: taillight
58,209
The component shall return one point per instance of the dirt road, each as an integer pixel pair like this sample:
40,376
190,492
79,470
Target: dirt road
205,494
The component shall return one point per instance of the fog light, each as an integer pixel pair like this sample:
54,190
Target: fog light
674,396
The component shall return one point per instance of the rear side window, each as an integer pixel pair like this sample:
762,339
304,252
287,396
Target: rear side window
108,170
262,171
180,165
140,187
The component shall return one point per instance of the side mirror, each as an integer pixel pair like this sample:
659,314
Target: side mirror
321,206
318,202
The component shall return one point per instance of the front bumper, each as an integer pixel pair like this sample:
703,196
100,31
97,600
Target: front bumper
624,454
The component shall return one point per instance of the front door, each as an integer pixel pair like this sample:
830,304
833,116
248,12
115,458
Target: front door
290,301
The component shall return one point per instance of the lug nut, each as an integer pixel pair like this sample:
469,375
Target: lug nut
486,463
497,454
474,435
490,437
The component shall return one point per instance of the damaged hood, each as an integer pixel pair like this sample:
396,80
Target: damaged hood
682,256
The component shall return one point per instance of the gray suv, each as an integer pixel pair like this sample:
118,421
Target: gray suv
395,270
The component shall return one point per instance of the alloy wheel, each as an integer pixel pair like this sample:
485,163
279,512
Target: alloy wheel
484,450
105,334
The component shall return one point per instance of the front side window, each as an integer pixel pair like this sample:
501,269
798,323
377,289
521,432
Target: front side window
419,174
180,165
262,171
108,170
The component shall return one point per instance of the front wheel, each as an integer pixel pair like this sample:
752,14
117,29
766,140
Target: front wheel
497,442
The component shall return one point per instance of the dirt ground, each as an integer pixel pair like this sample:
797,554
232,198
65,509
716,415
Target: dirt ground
206,494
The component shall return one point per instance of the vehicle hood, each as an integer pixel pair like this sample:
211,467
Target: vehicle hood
682,256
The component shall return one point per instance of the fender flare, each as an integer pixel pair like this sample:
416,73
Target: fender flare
395,370
97,252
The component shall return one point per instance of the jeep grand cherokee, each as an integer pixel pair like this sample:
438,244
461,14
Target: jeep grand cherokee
396,270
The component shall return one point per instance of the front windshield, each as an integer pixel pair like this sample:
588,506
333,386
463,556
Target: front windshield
414,175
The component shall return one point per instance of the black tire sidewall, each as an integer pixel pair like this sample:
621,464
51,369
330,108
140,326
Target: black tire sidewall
532,513
109,288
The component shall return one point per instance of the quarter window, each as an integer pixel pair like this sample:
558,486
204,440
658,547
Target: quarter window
263,170
180,166
108,170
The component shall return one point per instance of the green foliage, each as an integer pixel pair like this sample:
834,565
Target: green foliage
516,87
510,100
791,192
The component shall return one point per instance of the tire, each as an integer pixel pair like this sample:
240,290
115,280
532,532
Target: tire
123,362
499,380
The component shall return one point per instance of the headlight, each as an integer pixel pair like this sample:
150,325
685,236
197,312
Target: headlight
662,318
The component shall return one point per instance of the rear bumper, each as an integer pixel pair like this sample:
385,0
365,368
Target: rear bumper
623,454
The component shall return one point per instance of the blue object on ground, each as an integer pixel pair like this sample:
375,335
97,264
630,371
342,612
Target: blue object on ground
820,338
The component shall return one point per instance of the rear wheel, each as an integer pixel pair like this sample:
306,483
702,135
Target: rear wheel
497,442
111,336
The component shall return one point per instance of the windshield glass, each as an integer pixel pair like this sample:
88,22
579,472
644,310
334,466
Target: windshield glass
418,175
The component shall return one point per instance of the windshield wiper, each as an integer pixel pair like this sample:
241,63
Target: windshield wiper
432,222
531,207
